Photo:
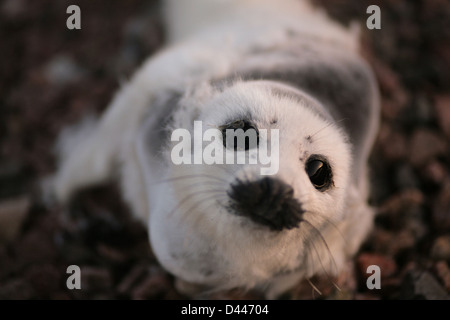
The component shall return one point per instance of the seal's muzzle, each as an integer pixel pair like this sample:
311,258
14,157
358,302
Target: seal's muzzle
267,201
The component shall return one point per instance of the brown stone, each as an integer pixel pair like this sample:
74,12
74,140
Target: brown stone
441,248
443,272
387,265
442,107
12,214
441,208
425,144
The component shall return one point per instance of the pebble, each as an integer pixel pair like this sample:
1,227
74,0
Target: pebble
45,278
435,172
111,254
12,215
136,273
405,177
387,265
13,8
393,144
366,296
394,95
95,279
61,70
402,202
152,287
391,243
17,289
443,272
441,248
422,285
419,112
425,144
442,107
441,208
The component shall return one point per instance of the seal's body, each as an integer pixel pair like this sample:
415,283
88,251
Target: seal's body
242,64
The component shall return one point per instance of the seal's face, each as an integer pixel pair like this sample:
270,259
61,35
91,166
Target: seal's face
242,210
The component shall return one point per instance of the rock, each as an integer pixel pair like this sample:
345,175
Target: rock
442,107
441,248
405,178
13,8
7,264
441,208
16,289
95,279
387,265
391,243
402,202
422,285
392,143
37,244
45,278
13,178
12,214
366,296
435,172
420,112
110,253
424,145
394,95
61,70
443,272
152,287
137,273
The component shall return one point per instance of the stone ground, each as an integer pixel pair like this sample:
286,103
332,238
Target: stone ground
50,77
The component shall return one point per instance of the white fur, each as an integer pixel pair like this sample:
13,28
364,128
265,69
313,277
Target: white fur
188,228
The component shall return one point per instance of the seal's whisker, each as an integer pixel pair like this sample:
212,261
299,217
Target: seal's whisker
199,201
328,125
195,206
190,176
228,168
318,234
315,289
189,196
328,221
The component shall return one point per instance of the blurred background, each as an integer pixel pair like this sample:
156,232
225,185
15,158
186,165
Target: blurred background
51,77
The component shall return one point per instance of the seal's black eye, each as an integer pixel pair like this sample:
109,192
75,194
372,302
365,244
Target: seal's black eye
319,172
240,135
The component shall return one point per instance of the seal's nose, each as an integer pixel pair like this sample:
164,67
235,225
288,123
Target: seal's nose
267,201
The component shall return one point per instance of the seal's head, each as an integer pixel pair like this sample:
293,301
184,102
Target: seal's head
241,213
273,192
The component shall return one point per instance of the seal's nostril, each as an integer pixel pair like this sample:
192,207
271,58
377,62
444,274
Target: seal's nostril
267,201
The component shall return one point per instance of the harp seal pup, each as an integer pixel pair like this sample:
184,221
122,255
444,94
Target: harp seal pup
269,64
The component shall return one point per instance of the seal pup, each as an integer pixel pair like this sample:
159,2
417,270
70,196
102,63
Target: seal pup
281,66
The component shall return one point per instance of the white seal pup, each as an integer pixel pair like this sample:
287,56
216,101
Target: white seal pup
279,66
